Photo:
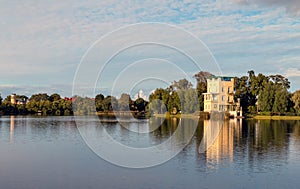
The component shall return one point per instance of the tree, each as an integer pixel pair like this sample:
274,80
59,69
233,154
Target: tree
99,102
159,100
83,106
174,104
110,103
264,91
266,98
296,100
140,104
190,104
202,76
181,84
201,88
39,97
241,90
54,97
280,100
99,97
280,80
125,103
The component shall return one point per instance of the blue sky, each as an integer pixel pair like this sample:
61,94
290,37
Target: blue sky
42,42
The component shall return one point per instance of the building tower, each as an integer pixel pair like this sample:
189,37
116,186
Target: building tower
13,99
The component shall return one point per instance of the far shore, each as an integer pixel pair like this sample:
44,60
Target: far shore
261,117
196,116
258,117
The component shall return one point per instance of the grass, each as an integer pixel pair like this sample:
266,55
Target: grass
277,117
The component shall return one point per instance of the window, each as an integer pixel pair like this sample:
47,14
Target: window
215,106
223,98
215,97
229,89
222,89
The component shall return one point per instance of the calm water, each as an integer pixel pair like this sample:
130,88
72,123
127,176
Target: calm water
49,152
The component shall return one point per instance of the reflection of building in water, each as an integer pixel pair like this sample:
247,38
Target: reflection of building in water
218,139
12,129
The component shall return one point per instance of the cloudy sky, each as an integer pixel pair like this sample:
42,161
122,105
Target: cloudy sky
43,42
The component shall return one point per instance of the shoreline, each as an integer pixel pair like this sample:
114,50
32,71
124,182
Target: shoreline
260,117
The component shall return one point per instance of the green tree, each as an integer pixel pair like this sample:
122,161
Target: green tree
262,90
159,100
125,103
66,107
280,80
242,91
182,84
39,97
190,104
110,103
266,98
201,78
296,100
54,97
201,88
99,97
83,106
99,102
140,104
174,104
280,100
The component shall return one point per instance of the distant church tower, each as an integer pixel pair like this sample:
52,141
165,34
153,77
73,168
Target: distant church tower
13,99
140,94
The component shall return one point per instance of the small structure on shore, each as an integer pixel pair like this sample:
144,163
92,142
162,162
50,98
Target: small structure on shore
220,96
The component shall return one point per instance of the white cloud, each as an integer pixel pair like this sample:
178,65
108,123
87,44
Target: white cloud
291,6
292,72
42,43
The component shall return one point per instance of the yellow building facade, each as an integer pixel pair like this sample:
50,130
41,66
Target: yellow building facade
220,96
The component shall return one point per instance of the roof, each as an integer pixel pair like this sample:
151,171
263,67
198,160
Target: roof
223,78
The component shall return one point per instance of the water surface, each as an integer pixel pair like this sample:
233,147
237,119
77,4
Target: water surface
48,152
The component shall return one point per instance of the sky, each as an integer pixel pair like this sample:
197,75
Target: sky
43,43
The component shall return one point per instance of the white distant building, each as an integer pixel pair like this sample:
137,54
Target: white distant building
140,94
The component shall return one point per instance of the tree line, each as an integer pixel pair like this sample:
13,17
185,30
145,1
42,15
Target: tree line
40,103
266,94
101,103
54,104
257,93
